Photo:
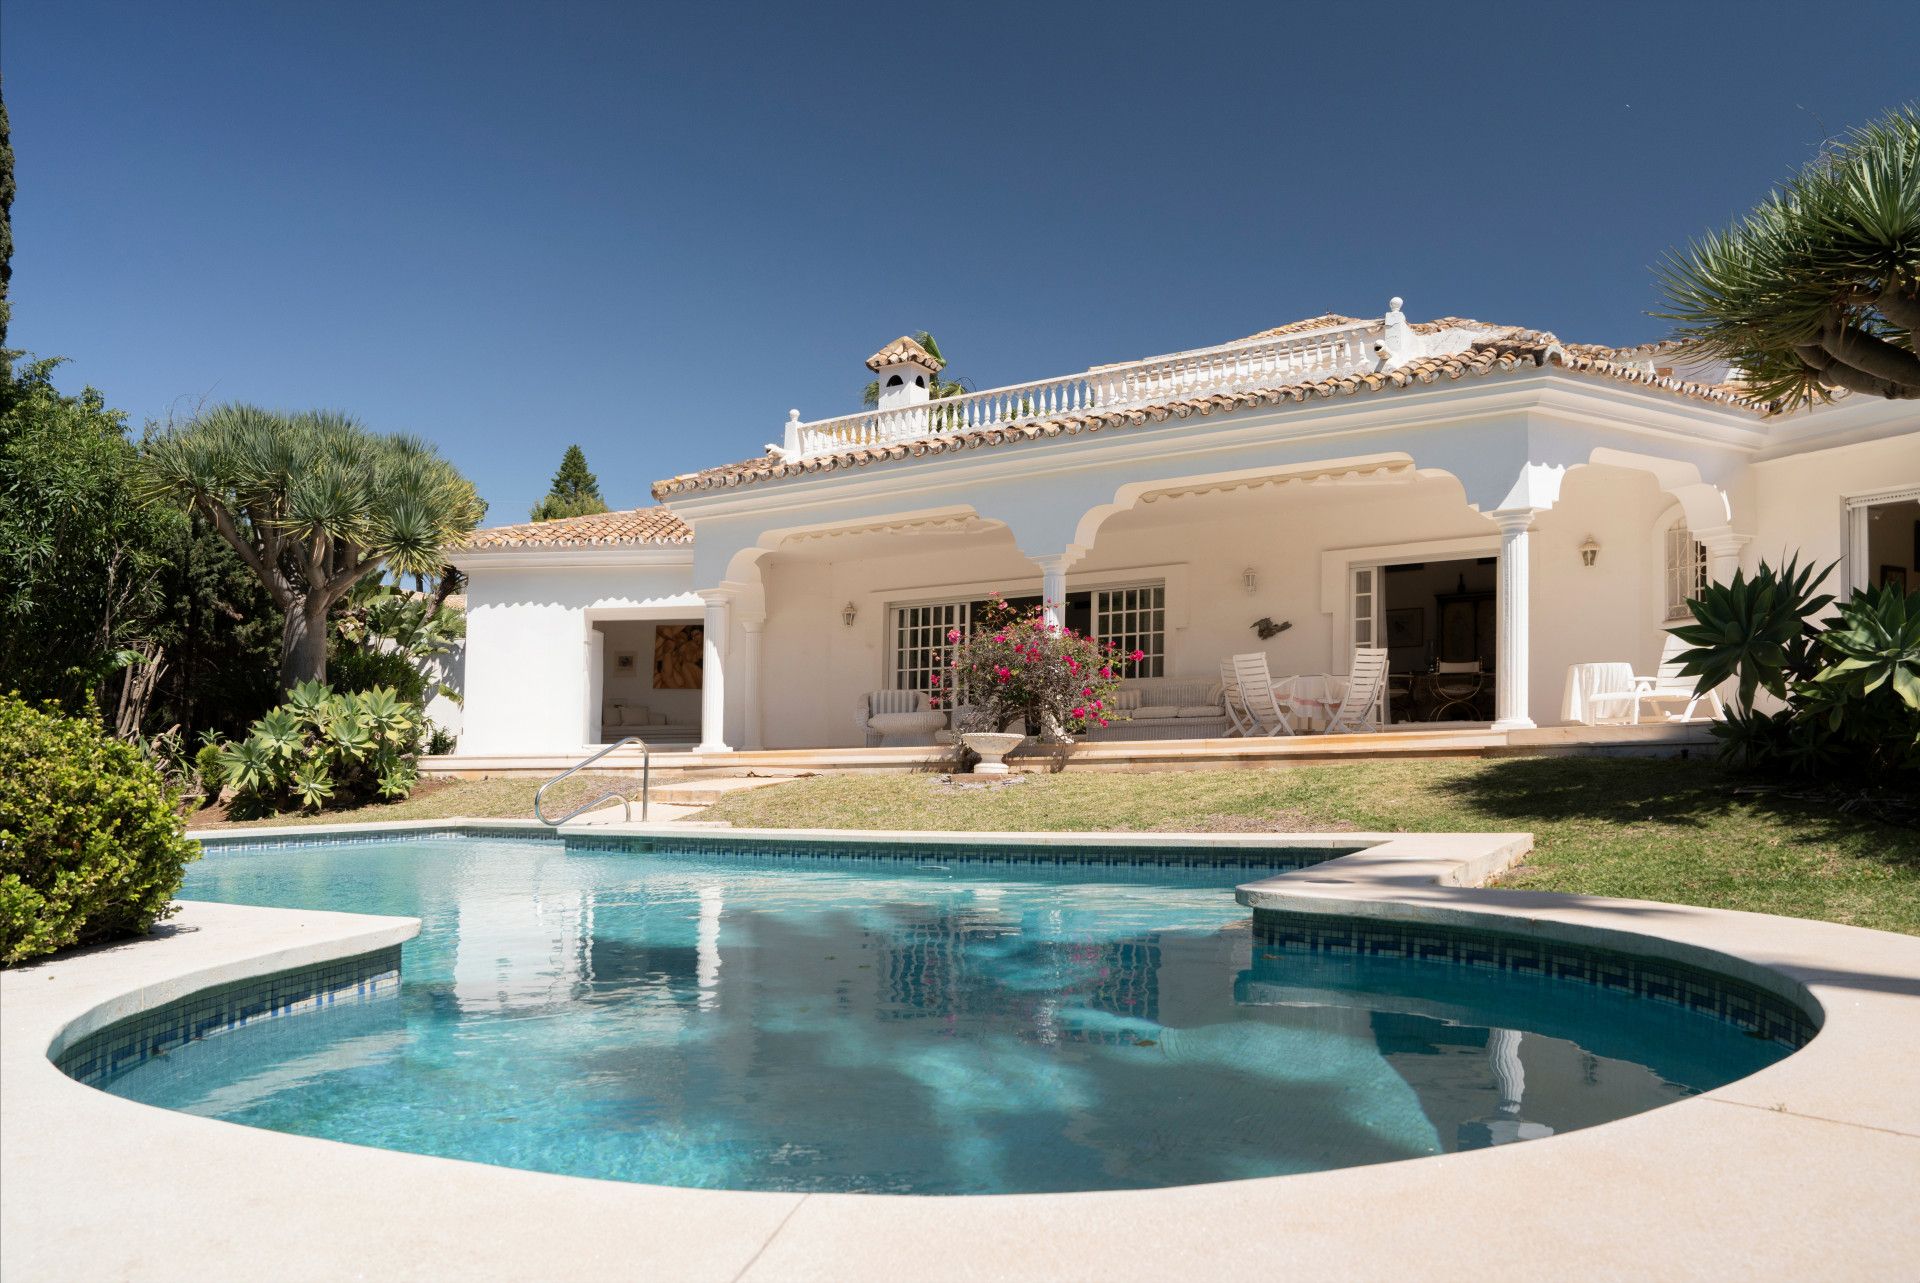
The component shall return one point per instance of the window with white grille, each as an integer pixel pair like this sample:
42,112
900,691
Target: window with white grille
1134,619
920,644
1686,570
1366,604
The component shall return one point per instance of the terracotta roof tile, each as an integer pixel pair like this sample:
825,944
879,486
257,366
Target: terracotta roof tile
656,525
904,351
1503,349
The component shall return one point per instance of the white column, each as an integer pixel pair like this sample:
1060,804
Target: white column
750,632
713,674
1723,552
1511,640
1053,586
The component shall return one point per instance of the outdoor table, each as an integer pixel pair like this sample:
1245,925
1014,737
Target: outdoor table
1315,695
1593,689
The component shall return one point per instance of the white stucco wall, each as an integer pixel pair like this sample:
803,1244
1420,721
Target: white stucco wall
815,668
1801,499
528,636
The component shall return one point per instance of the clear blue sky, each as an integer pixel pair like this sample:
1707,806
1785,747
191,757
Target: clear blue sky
652,229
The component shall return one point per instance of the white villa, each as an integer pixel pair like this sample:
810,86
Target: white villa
1483,500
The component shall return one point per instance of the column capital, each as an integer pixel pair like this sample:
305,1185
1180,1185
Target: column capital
1722,540
1514,521
1056,562
753,625
716,596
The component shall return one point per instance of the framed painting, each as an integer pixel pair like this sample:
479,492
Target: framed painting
1895,575
1406,627
676,656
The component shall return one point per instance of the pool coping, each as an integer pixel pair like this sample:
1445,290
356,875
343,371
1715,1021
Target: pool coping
1805,1167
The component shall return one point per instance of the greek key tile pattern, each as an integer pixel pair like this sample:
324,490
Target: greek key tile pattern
944,853
1747,1006
282,840
107,1053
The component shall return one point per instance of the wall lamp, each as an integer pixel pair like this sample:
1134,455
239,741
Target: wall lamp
1250,579
1589,551
847,614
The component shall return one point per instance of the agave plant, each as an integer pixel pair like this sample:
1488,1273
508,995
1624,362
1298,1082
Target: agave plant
1875,643
1849,689
281,734
247,765
311,785
1755,631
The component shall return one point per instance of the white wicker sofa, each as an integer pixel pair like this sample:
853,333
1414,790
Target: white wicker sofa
1166,708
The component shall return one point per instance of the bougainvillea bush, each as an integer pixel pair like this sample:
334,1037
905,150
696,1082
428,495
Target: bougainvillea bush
1016,666
91,845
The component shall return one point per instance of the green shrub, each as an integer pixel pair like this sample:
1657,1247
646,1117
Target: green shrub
213,776
90,844
360,669
1849,686
323,748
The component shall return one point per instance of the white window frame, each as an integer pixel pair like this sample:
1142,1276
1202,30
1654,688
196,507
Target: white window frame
960,606
1685,570
1131,638
935,618
1857,573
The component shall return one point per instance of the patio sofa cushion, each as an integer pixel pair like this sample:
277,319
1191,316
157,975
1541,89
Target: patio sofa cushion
1154,712
1199,710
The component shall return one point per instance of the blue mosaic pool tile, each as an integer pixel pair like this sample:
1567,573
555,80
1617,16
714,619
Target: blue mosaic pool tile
940,853
1758,1011
282,839
107,1053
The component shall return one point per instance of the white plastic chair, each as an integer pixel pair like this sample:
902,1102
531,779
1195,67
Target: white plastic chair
1360,707
1263,705
1670,686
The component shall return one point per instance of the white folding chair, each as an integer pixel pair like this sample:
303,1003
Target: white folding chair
1243,723
1269,713
1360,707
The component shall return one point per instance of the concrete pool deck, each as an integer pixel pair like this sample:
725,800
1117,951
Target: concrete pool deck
1807,1168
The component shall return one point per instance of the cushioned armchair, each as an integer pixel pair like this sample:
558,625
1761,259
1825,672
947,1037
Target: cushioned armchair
898,719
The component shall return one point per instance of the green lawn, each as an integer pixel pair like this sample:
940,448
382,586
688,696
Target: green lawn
496,799
1647,829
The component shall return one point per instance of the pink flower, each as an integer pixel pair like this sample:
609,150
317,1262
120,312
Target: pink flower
1137,656
935,679
1106,672
1103,721
1079,712
933,703
999,637
1087,690
1096,703
953,634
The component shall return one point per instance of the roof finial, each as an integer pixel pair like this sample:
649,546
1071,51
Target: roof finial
1395,303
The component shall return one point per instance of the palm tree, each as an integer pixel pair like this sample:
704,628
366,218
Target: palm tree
1819,287
314,503
938,389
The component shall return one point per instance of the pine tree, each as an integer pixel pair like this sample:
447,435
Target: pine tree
575,491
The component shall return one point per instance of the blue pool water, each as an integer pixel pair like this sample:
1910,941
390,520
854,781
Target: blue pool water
807,1024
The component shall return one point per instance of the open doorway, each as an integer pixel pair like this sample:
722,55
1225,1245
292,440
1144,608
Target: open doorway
1438,625
649,674
1891,542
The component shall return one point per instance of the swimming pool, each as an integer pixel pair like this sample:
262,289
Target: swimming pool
937,1020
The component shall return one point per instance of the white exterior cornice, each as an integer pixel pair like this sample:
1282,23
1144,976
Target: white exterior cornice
599,556
1855,420
1344,423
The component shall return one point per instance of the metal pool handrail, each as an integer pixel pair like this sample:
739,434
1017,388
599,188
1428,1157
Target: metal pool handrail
646,781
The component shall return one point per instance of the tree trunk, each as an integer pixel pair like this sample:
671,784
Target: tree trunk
303,642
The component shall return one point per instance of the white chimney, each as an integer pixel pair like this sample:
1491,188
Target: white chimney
906,372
